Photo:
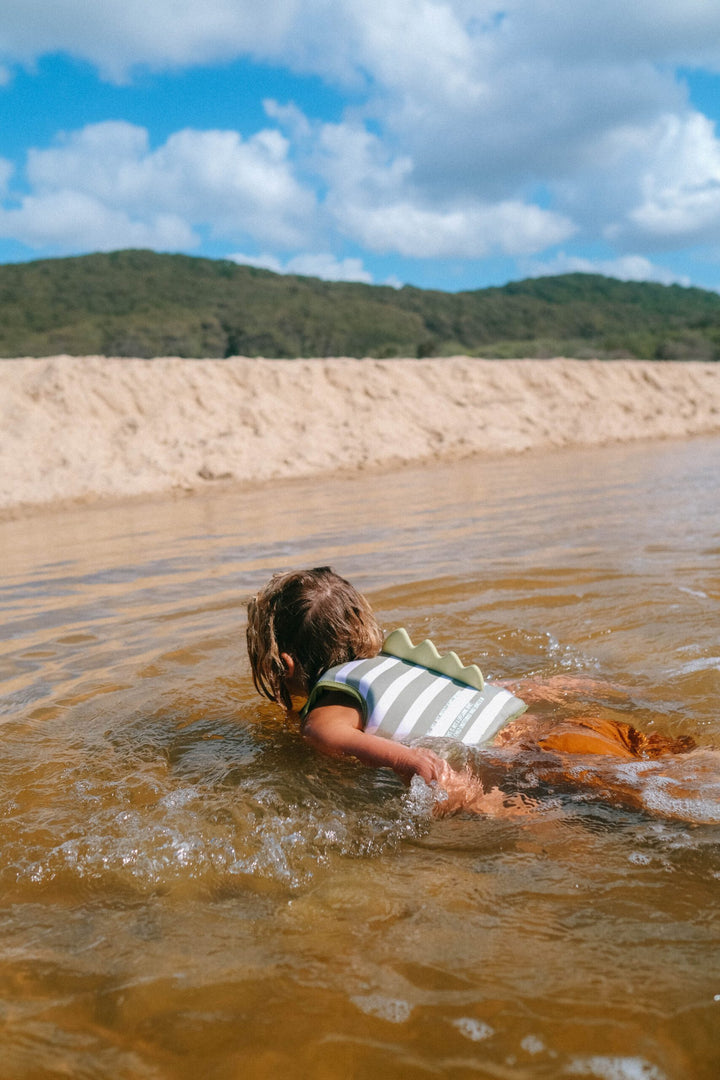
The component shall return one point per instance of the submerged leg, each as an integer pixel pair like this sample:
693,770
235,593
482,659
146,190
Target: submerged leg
537,756
590,735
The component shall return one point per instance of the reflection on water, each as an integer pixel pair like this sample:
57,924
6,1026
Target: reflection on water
189,891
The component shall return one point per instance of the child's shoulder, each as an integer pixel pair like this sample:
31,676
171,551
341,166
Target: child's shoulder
331,711
329,691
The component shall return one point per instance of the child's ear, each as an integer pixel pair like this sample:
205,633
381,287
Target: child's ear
289,664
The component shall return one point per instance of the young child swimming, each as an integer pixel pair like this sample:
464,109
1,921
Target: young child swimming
312,636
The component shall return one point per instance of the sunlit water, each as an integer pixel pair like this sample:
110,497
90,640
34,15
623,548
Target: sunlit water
188,891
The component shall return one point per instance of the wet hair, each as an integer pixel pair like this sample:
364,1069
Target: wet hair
315,616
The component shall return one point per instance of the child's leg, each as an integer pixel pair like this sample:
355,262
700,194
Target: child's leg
589,735
561,690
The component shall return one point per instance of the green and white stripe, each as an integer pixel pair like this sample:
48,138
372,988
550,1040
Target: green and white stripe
402,700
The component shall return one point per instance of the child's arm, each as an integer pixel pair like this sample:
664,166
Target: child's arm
334,727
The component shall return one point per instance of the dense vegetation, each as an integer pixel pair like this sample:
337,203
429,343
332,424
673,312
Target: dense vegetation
138,303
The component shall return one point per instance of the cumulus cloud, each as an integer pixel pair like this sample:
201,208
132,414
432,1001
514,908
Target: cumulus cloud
680,194
375,201
118,36
70,221
391,41
322,265
661,30
469,231
654,187
475,127
103,187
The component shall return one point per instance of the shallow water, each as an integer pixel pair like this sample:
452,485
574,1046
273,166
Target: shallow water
188,891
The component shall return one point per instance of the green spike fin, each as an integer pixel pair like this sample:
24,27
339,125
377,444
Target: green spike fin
425,654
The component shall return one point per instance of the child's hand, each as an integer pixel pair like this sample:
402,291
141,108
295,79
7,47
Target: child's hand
464,793
427,765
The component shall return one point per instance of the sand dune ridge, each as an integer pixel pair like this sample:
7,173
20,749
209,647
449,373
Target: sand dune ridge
93,427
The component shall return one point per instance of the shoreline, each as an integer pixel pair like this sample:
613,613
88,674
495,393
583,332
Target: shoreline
80,431
68,505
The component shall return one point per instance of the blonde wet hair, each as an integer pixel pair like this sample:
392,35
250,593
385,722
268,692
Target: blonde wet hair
316,617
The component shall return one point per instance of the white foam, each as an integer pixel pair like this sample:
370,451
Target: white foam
394,1010
659,798
532,1044
703,663
475,1030
615,1068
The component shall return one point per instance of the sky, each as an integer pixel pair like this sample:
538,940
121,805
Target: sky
448,144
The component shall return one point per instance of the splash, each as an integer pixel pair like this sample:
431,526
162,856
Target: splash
215,839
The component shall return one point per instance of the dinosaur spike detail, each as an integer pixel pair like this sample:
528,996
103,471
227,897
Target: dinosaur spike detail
425,654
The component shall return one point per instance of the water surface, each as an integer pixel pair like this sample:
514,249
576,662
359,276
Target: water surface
187,890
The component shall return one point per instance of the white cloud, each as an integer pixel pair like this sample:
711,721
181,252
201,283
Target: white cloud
392,41
355,162
289,117
654,187
414,46
374,201
659,30
680,192
105,187
6,170
119,35
469,231
463,112
322,265
70,221
625,268
475,111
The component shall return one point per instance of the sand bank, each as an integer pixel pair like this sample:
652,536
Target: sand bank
79,428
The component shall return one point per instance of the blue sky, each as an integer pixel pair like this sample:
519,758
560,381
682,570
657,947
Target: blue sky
449,145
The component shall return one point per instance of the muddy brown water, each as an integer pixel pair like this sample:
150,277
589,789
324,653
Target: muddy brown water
187,891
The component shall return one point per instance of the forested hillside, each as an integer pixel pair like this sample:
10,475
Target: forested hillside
138,303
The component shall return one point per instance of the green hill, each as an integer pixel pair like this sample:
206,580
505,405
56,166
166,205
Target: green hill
138,303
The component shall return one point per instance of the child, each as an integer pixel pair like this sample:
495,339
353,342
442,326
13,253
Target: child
312,636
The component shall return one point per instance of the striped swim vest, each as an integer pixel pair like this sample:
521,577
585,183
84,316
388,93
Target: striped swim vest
411,691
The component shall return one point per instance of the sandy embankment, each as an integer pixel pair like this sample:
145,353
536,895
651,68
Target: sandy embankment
92,427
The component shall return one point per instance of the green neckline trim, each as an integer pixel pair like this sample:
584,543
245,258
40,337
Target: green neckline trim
425,654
